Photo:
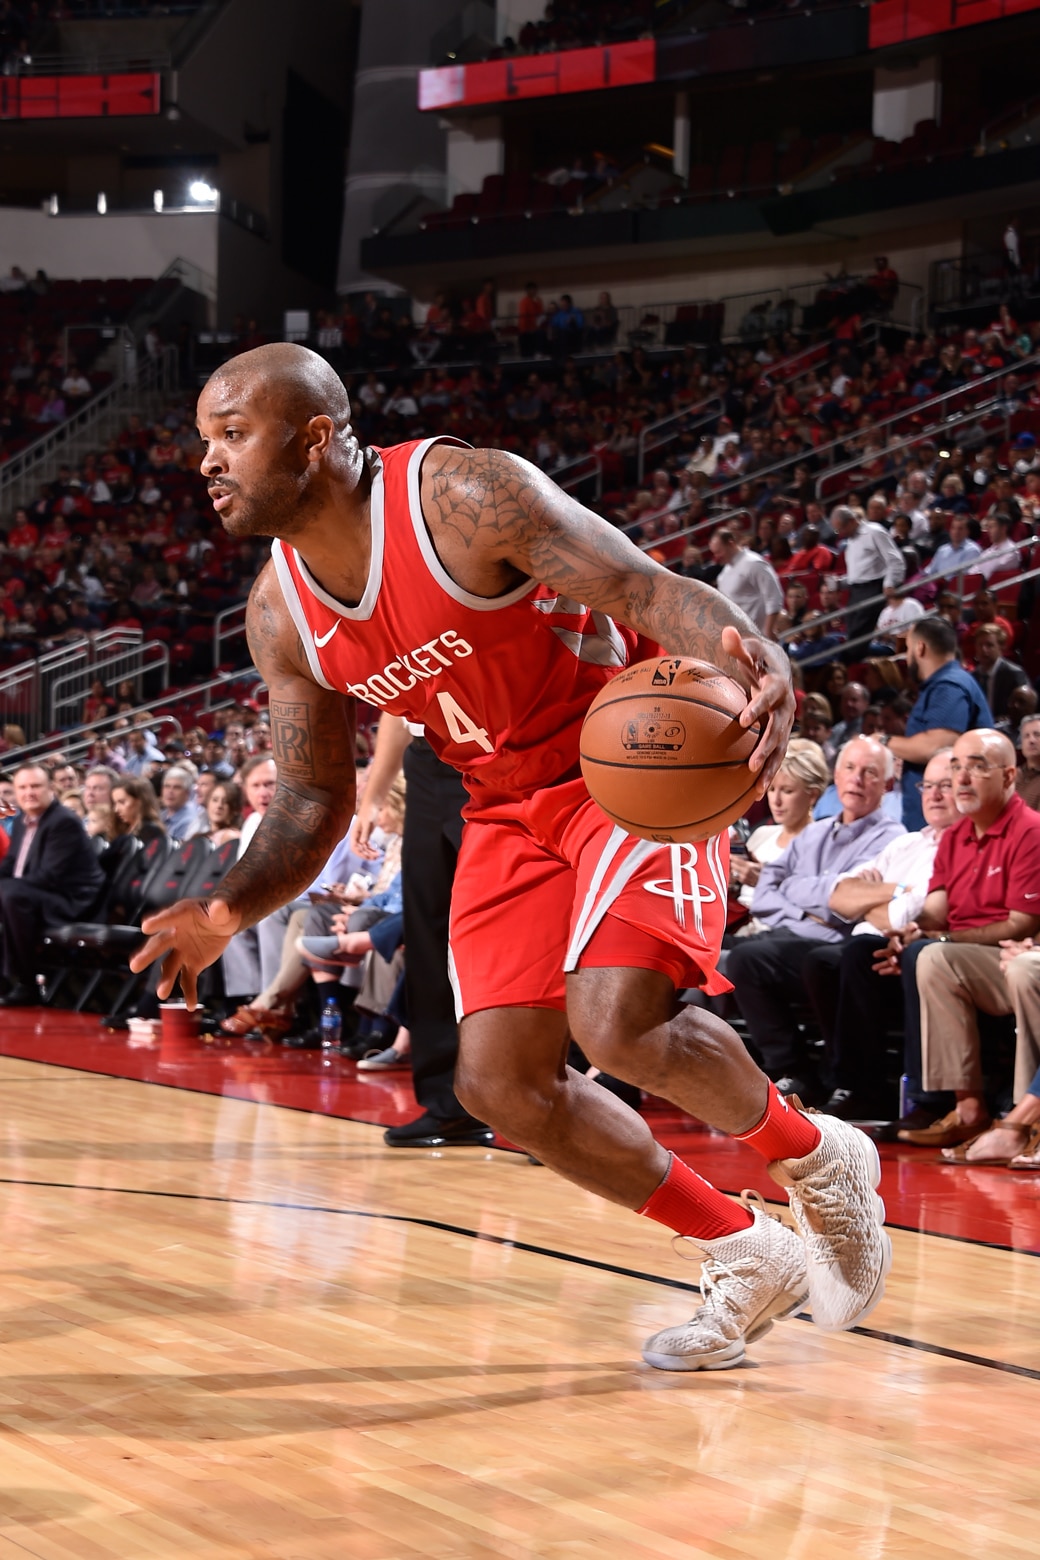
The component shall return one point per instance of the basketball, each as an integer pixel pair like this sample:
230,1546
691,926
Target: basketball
662,751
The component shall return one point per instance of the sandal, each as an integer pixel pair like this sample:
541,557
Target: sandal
1029,1158
247,1019
960,1154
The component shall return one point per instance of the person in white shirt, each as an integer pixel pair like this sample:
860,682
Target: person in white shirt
899,611
852,1002
959,552
747,579
1001,556
75,386
872,562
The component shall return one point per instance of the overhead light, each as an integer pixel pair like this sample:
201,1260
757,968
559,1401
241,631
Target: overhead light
102,204
202,193
157,199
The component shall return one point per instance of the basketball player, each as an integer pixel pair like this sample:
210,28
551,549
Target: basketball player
463,590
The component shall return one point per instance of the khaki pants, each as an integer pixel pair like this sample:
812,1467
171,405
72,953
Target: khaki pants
955,979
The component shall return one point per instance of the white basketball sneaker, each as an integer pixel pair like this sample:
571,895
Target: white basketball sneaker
833,1194
749,1281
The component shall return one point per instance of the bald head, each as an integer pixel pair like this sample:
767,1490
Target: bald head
296,382
281,456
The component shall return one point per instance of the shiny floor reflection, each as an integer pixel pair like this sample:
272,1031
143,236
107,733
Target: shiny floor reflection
237,1329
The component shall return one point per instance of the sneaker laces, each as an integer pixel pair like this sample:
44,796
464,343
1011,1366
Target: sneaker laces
826,1205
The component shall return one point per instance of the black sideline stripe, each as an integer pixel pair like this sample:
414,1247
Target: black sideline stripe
897,1339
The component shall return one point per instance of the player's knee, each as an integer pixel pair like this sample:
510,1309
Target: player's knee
516,1107
609,1044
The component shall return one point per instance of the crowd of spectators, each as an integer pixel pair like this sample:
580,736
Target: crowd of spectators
124,537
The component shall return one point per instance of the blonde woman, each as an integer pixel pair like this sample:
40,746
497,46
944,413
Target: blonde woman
797,786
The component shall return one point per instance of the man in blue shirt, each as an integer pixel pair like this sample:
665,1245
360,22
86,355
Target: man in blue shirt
793,897
950,702
959,552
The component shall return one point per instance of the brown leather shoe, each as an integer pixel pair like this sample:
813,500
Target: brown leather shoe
947,1132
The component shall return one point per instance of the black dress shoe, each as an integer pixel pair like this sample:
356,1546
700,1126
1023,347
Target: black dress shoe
428,1131
21,996
847,1105
807,1092
310,1040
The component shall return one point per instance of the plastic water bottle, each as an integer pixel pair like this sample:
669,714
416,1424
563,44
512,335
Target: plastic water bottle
331,1025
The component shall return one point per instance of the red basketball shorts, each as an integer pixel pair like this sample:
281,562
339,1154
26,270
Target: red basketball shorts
548,885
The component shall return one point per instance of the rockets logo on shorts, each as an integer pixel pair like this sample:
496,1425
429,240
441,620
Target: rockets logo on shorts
685,887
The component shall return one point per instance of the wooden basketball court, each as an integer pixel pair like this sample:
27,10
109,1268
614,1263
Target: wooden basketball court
235,1324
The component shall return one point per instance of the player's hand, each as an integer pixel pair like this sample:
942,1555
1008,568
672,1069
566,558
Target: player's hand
361,828
188,937
771,701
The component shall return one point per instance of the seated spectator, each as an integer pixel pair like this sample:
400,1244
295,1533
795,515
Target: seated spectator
224,812
1013,1140
960,552
949,702
848,996
898,613
73,800
854,701
97,786
793,900
797,784
984,890
240,961
996,676
180,815
143,756
136,808
984,611
49,875
1001,556
1027,776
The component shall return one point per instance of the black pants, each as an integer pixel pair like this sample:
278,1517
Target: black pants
857,1009
860,620
767,975
432,837
25,912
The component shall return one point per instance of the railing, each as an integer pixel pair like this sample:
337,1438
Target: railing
925,407
229,627
982,279
957,574
983,412
32,691
658,435
1006,125
577,474
77,740
124,659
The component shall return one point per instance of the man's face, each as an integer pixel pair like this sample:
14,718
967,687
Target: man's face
987,647
97,791
937,793
260,786
63,779
958,530
859,777
256,464
32,791
854,700
1029,741
174,793
204,787
982,783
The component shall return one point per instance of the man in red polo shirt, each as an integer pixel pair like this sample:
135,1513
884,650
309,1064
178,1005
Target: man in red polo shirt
984,890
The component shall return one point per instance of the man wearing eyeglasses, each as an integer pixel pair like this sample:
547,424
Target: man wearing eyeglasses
853,1006
984,891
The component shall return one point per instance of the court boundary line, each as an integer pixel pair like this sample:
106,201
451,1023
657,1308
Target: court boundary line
942,1351
498,1148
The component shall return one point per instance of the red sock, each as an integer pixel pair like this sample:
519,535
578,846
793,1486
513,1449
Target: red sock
783,1132
689,1205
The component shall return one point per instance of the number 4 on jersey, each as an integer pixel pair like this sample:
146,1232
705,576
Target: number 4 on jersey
460,727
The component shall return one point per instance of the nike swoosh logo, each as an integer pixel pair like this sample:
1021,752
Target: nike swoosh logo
321,640
1031,896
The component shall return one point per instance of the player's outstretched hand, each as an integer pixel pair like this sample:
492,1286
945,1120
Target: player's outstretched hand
771,701
188,937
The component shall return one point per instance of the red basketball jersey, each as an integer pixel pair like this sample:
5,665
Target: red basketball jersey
501,685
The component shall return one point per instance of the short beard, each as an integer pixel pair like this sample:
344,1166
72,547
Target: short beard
278,506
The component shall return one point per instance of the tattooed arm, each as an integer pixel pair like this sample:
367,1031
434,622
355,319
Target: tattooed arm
312,739
495,517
